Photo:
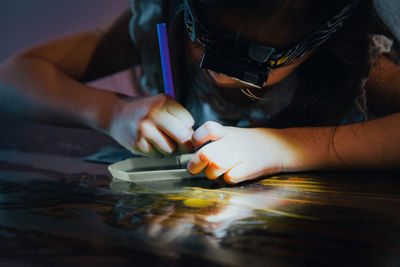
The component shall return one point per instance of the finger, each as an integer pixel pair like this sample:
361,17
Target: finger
181,113
198,162
184,148
154,136
213,171
173,127
143,147
221,162
214,158
209,131
240,173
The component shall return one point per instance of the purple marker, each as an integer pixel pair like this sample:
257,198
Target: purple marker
165,59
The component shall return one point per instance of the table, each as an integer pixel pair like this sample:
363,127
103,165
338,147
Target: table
58,210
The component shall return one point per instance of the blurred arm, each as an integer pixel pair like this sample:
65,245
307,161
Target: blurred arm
46,82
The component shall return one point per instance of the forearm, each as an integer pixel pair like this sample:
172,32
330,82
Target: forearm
372,145
36,89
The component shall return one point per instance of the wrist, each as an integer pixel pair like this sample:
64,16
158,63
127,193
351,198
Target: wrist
310,148
106,112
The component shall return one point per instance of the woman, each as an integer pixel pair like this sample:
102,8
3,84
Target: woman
281,76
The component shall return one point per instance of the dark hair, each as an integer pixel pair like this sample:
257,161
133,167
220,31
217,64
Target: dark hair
329,81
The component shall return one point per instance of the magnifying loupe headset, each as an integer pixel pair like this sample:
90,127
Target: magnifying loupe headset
247,62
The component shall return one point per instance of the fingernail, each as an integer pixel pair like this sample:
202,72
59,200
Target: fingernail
167,150
185,137
189,167
230,180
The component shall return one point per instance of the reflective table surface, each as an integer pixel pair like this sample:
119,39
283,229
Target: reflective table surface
58,210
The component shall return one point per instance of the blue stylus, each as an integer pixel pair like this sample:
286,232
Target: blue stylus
165,59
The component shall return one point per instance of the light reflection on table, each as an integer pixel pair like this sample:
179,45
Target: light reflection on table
57,210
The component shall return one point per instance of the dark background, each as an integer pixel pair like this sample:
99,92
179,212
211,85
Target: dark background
27,22
24,23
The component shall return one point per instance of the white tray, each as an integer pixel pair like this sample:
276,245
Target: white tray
150,169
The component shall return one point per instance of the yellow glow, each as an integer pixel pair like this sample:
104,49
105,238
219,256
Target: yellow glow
197,203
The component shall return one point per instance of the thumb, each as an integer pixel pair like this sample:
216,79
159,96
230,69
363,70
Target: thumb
209,131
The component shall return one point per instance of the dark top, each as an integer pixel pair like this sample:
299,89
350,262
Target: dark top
147,13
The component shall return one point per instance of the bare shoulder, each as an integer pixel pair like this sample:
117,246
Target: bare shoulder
91,54
383,87
115,50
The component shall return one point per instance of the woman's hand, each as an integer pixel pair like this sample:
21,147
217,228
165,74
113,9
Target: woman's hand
238,153
154,126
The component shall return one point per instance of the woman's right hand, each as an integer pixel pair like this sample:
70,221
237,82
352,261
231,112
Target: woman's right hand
153,126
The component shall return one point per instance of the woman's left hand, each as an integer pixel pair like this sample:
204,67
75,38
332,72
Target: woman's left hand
238,154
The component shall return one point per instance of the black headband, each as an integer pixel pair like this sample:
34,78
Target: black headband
253,62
